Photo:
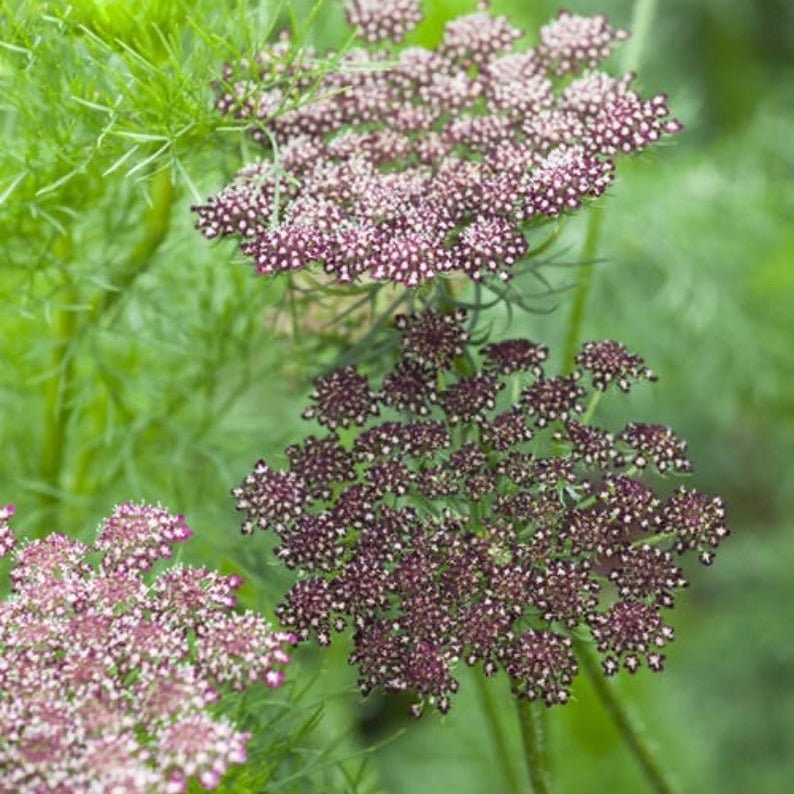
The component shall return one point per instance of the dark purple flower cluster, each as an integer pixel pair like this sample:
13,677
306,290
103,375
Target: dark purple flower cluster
402,167
450,525
107,677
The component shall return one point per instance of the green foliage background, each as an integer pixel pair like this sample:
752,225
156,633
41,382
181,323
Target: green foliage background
141,362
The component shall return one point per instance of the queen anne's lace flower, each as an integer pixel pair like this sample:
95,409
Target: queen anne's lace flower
471,529
376,20
406,167
107,677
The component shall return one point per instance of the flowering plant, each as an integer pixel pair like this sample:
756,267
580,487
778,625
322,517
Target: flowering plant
445,523
456,503
403,167
108,674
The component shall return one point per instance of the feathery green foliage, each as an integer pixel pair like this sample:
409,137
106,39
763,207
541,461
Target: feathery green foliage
119,322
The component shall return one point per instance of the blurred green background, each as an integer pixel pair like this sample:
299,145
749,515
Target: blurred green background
141,362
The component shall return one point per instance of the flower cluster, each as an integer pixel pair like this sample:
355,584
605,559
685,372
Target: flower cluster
107,679
451,523
400,168
376,20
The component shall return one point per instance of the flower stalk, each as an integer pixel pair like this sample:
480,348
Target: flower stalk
490,709
583,285
642,18
626,726
531,722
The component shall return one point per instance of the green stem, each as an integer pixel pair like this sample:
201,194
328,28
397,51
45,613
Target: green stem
156,222
641,27
533,741
498,736
620,716
59,395
591,407
583,286
642,19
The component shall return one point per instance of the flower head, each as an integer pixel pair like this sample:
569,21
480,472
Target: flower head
465,529
108,677
431,162
375,20
7,539
571,42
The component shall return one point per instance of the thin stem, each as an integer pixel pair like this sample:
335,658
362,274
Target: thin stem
587,257
59,391
533,742
156,222
623,722
642,19
498,736
641,27
591,406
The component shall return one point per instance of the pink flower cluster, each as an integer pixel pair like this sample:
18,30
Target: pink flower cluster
107,677
404,166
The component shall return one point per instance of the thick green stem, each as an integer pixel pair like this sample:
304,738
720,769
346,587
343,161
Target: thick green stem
156,222
498,736
623,722
641,21
533,741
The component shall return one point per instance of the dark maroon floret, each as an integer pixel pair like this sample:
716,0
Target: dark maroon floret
609,362
516,355
341,399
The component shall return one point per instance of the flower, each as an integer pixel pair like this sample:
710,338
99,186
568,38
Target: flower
107,677
375,20
430,162
460,528
7,539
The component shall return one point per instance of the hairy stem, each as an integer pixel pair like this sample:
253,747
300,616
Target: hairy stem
629,732
533,741
498,736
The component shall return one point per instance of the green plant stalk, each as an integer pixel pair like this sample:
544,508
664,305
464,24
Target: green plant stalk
498,736
641,20
620,716
583,286
533,742
641,28
156,222
58,403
